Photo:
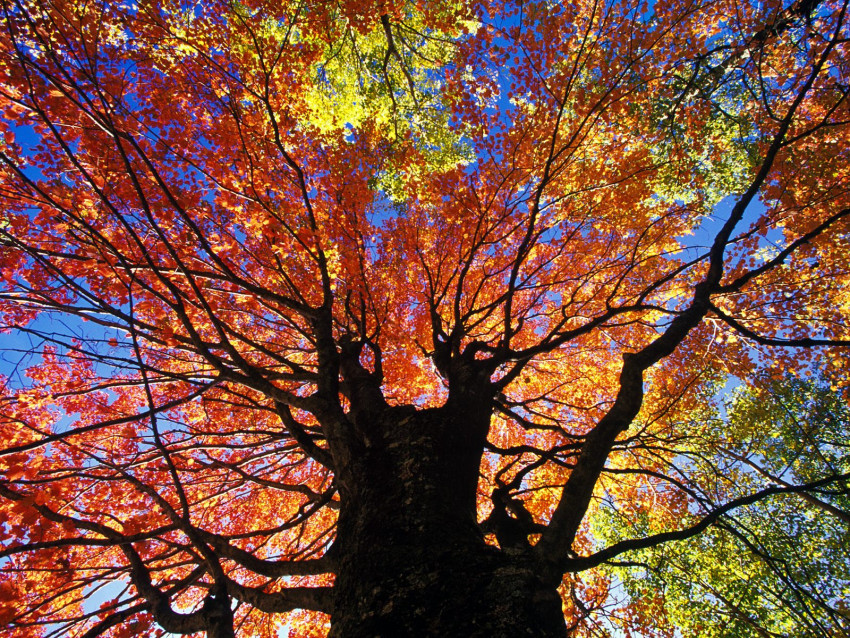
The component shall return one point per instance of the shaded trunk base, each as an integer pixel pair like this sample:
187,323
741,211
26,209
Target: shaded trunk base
412,561
411,592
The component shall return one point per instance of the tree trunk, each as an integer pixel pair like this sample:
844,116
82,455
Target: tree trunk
411,558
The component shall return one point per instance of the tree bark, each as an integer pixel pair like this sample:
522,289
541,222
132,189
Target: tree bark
411,557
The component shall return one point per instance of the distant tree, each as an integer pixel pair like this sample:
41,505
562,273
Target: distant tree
777,567
405,319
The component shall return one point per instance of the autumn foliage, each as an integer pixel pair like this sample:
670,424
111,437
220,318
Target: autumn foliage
284,283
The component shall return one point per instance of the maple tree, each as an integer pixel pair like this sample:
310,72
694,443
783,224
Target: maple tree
392,318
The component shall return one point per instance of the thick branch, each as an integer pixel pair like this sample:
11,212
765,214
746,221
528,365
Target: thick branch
314,598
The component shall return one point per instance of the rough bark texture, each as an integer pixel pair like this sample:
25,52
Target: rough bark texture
219,617
411,558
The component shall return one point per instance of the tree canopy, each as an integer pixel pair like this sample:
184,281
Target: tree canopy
383,318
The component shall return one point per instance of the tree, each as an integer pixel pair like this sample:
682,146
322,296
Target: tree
406,314
775,567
